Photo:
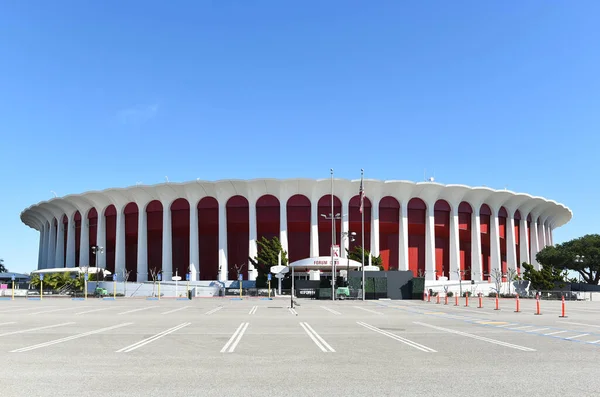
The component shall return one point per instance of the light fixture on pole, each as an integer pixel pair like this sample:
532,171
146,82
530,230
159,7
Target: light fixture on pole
579,259
96,250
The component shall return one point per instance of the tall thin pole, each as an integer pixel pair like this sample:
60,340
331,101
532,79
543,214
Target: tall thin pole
332,241
362,222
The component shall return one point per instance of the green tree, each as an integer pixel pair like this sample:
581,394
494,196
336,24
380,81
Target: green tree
356,255
563,256
3,269
545,279
268,252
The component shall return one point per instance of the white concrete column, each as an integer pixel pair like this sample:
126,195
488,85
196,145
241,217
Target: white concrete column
84,242
535,247
71,230
550,233
51,246
253,246
59,257
314,228
523,243
403,236
194,247
345,225
142,244
45,233
167,244
223,269
476,263
454,244
40,264
430,243
375,227
544,241
283,234
101,238
511,247
120,244
496,259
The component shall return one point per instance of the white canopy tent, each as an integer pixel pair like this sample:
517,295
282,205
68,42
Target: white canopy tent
89,270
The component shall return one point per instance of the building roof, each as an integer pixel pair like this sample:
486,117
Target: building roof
36,215
9,275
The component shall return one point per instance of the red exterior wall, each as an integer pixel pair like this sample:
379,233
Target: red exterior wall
416,236
238,235
442,238
502,235
154,214
298,227
324,207
267,217
464,238
355,222
389,232
484,222
180,237
110,215
93,222
208,238
131,237
78,238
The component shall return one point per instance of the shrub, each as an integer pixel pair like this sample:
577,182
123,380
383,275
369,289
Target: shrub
467,293
450,294
492,294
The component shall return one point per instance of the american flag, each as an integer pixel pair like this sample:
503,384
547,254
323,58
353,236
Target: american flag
361,192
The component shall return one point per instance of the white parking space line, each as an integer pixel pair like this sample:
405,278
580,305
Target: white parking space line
68,338
320,342
253,310
216,309
331,310
50,311
596,341
481,338
523,327
408,342
577,336
176,310
293,311
35,329
368,310
235,338
504,325
21,309
92,311
537,329
136,310
150,339
554,333
587,325
8,323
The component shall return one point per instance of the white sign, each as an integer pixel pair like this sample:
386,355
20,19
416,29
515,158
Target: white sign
176,278
279,269
335,251
279,275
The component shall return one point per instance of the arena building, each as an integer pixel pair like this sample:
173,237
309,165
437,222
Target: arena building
434,230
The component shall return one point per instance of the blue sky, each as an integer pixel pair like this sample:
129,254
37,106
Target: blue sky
104,94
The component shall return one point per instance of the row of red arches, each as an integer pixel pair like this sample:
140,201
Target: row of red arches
298,211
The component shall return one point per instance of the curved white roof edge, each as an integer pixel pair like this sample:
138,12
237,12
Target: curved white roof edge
402,190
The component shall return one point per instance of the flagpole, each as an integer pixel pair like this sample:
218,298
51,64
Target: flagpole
362,223
332,241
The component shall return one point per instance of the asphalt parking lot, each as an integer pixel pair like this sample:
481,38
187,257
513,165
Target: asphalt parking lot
251,347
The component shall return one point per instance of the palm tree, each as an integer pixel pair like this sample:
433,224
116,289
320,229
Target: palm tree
2,268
